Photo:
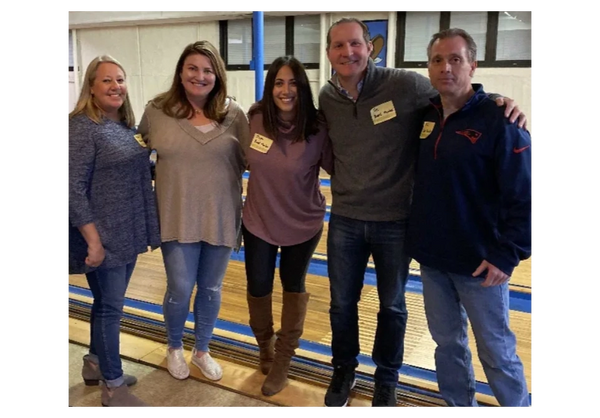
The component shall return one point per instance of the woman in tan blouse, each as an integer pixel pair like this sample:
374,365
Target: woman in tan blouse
199,135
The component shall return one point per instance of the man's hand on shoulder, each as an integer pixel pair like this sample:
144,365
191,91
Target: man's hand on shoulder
512,111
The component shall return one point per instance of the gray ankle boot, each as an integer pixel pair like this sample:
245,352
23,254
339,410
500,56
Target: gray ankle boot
120,396
92,375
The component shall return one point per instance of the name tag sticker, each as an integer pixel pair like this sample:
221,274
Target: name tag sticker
261,143
383,112
140,140
427,129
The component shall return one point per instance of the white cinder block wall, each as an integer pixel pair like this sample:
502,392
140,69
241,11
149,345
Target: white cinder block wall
149,49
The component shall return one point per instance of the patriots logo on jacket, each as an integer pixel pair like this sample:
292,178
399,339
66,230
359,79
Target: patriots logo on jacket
472,134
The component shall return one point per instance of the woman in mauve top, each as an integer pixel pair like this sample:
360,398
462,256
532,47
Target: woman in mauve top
284,209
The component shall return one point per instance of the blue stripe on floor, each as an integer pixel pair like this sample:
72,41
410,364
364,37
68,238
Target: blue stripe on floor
323,349
518,301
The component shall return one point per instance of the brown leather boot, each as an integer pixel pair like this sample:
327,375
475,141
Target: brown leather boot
92,376
261,322
292,326
120,396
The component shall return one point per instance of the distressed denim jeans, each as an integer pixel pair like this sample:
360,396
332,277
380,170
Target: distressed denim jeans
187,265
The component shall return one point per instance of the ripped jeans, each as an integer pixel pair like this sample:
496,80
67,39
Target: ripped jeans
187,265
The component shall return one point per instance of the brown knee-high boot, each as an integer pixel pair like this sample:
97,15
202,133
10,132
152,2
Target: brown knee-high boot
261,322
292,326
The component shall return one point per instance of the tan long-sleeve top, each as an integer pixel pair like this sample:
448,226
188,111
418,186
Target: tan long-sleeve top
198,176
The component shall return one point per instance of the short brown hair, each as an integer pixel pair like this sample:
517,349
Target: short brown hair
365,29
451,33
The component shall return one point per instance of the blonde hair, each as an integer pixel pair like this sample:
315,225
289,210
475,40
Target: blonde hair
174,102
86,103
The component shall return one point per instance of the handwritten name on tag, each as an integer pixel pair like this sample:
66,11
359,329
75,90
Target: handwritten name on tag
140,140
427,129
261,143
383,112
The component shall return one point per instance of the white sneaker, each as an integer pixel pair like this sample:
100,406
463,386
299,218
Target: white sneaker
176,364
208,366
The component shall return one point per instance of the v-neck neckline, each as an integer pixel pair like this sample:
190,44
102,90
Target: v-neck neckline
205,138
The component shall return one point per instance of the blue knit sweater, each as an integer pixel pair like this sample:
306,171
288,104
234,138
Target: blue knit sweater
109,185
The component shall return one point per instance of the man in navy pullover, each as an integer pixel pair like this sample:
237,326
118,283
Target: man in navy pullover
470,224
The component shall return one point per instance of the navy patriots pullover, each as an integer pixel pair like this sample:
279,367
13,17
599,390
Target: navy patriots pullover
472,193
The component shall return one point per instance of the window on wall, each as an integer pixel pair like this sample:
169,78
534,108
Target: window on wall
307,38
475,23
419,28
514,36
289,35
239,42
503,38
71,65
274,38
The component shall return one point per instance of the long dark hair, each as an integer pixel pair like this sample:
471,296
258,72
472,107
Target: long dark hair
306,120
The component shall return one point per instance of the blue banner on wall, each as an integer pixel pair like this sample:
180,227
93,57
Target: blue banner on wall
378,31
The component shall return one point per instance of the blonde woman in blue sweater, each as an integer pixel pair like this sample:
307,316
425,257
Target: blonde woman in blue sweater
112,215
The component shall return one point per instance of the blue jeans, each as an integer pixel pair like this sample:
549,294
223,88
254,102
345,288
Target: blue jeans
187,265
108,287
349,244
449,300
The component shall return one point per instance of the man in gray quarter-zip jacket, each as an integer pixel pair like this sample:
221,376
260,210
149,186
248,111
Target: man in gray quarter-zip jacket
373,116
